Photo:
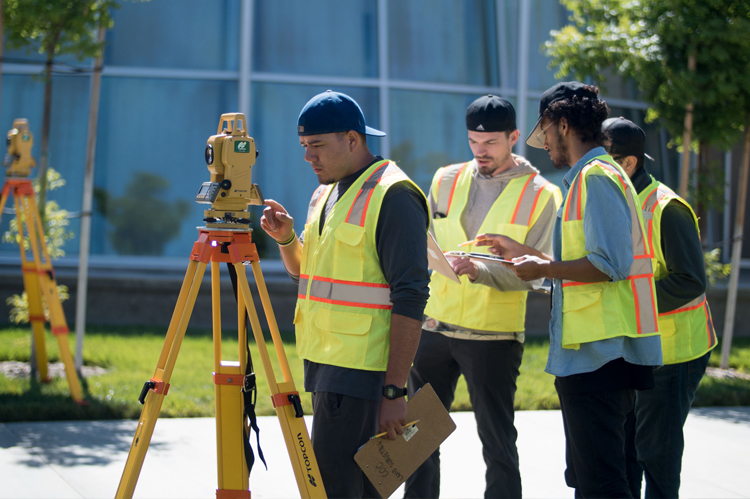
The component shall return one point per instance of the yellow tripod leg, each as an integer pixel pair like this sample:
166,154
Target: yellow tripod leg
232,472
48,285
288,410
33,288
154,391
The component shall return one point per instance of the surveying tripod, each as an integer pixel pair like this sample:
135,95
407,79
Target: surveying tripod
38,275
227,238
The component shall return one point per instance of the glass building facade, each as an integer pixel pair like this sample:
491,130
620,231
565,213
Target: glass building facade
413,66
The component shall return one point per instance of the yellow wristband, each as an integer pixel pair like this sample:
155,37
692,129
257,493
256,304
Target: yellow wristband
290,241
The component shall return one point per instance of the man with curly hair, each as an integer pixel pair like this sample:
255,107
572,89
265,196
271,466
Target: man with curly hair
604,338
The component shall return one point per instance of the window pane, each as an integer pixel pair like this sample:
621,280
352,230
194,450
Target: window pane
428,131
150,163
190,34
281,170
547,15
447,42
23,97
317,37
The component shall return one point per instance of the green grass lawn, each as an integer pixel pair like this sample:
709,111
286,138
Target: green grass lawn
130,355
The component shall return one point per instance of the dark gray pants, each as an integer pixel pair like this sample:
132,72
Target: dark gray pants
341,425
491,370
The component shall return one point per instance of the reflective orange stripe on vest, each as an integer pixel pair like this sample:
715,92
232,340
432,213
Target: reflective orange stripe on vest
347,293
317,197
528,200
447,183
357,212
641,270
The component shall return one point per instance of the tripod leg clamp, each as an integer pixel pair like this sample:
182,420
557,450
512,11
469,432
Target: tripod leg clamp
155,385
289,398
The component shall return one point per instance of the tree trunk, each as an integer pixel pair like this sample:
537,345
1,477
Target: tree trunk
88,188
739,224
686,137
44,154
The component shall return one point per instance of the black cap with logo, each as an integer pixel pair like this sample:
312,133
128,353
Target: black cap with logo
490,113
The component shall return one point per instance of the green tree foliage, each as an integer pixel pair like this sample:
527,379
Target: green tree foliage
142,221
55,234
650,41
55,28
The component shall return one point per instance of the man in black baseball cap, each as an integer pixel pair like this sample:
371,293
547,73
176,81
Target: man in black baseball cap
684,318
603,333
476,327
362,287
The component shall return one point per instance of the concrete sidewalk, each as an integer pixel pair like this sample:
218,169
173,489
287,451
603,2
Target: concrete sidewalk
86,459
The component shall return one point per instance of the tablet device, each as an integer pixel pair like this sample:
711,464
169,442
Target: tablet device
488,258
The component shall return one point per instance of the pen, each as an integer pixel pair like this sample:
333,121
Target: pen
467,243
386,433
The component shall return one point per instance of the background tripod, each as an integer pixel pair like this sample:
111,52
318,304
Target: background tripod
39,282
235,247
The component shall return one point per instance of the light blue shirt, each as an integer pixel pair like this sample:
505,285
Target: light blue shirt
610,250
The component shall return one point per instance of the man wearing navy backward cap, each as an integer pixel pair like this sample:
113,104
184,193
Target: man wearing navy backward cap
476,327
604,339
687,332
361,267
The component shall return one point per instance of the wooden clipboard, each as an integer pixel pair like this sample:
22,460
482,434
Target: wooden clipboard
388,463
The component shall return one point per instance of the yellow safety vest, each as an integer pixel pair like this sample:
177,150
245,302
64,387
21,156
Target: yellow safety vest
688,332
518,207
343,312
602,310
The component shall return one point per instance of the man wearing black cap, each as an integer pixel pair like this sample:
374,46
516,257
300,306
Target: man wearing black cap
687,333
476,327
362,275
603,332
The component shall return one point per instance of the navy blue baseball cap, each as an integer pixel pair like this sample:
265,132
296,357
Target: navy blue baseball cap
332,112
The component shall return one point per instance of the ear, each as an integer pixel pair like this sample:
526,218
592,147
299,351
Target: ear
628,164
562,126
352,140
513,137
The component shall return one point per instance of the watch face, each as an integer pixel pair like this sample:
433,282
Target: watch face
390,392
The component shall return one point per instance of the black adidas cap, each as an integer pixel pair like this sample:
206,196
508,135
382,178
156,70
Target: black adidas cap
490,113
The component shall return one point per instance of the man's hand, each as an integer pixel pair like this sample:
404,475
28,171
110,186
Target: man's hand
276,222
529,268
393,416
464,266
502,245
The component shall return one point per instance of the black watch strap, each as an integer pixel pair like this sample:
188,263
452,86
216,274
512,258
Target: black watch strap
392,392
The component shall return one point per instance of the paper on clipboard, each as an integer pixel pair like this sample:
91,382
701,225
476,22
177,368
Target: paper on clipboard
436,259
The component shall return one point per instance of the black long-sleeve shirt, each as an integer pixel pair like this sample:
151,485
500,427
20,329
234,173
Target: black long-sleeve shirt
682,250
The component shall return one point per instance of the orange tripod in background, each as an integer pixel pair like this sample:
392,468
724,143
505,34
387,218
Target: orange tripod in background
38,275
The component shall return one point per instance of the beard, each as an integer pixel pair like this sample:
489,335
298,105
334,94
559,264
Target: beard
495,164
559,153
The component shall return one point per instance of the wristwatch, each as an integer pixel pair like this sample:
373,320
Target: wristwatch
392,392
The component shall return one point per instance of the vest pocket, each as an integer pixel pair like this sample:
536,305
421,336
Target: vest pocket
349,252
583,316
342,322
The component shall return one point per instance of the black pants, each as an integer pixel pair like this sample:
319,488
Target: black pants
491,370
596,437
341,424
